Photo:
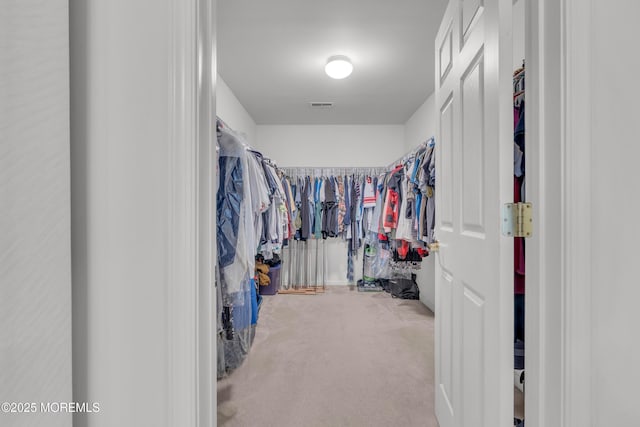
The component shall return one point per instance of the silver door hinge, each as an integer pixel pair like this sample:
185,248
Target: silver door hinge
517,220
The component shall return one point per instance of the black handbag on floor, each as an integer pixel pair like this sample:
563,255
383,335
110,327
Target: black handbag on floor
404,288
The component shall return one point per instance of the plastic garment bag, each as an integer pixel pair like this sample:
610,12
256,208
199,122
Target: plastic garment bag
236,244
377,258
235,226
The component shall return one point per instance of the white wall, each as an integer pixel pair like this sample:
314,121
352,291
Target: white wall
35,246
420,127
422,124
231,111
614,249
335,145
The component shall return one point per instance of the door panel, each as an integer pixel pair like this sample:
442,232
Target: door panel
472,97
473,352
473,334
446,197
446,52
445,368
471,10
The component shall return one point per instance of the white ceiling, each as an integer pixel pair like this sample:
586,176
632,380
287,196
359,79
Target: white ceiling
272,56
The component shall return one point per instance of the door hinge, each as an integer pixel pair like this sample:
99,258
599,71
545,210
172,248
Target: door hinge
517,220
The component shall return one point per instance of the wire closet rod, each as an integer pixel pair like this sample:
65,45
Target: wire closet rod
333,167
340,170
407,156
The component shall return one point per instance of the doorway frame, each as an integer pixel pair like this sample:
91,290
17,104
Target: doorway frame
542,78
576,399
558,258
558,44
191,296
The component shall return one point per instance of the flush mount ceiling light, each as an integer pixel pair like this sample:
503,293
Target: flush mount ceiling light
338,67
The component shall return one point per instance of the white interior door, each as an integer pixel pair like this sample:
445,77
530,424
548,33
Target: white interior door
474,270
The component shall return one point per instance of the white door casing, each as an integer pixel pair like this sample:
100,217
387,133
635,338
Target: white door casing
143,209
474,270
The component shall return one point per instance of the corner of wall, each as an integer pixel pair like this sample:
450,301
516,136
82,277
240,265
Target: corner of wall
421,125
234,114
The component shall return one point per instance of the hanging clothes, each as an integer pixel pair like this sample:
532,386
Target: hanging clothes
317,220
236,244
428,184
519,196
403,218
342,207
307,209
404,227
369,200
255,209
374,226
289,210
359,187
330,209
393,199
260,194
519,175
328,205
234,217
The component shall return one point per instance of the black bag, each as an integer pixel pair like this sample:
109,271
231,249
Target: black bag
273,262
404,288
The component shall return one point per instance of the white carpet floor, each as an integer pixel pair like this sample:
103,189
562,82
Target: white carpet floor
339,359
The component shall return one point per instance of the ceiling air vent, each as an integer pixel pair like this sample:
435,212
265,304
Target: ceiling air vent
321,105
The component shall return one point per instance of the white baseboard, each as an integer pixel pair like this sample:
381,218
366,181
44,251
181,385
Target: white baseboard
338,283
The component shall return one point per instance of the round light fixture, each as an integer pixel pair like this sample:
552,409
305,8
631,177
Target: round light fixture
338,67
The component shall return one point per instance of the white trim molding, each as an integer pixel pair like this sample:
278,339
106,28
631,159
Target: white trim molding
191,296
543,255
535,255
576,244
